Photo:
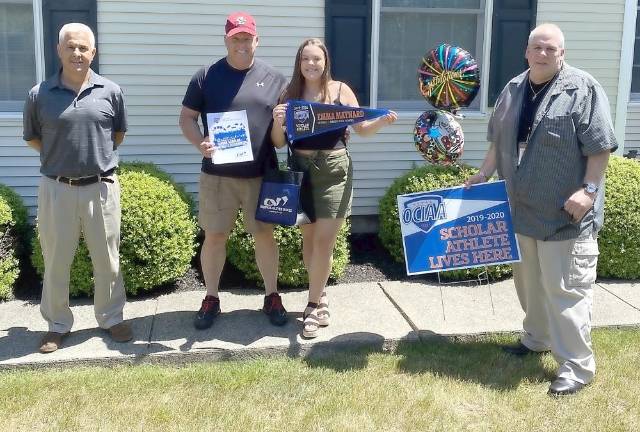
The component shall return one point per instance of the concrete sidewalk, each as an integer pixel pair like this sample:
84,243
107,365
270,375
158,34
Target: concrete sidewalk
372,314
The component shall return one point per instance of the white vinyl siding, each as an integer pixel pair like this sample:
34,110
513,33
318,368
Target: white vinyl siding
632,131
19,164
380,159
593,34
151,48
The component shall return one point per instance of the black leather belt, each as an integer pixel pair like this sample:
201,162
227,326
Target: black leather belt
83,181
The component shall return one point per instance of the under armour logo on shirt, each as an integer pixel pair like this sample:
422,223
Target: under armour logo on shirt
241,20
260,84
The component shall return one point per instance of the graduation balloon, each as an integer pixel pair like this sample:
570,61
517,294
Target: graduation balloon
448,77
438,137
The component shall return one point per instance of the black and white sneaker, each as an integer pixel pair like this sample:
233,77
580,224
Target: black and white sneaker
208,312
274,309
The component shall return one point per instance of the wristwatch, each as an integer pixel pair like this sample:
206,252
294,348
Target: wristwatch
590,188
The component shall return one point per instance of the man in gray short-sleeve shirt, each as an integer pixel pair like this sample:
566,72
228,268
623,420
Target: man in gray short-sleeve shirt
551,135
76,119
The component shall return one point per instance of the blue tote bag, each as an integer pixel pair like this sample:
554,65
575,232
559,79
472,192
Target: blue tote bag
279,200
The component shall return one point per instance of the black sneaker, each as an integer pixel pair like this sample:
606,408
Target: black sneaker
209,310
273,307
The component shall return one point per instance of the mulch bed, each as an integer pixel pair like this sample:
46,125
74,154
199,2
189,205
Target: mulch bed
370,262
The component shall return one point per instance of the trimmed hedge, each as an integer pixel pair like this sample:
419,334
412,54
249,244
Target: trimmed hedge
158,234
619,239
9,272
291,272
81,276
13,235
20,216
425,178
8,261
152,169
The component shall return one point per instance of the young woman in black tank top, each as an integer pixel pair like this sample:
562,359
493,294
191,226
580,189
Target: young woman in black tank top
327,187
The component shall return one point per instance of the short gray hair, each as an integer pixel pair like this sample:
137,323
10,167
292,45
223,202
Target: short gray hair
78,27
548,26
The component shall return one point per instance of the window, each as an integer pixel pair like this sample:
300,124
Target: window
24,59
410,28
17,53
376,45
635,77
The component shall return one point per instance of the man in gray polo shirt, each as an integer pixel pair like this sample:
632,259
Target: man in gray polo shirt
551,135
76,119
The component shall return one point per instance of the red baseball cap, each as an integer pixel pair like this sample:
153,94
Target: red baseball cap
240,22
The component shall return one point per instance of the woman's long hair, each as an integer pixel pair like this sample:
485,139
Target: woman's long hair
295,89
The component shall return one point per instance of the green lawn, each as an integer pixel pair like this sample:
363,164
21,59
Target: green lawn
440,385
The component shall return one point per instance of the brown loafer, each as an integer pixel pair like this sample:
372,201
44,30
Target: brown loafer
51,341
121,332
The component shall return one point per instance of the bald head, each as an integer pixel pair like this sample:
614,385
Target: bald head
550,31
545,52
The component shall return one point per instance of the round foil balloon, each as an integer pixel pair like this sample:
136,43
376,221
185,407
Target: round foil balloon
448,77
438,137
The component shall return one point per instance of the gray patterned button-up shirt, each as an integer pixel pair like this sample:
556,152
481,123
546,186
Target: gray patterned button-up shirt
572,123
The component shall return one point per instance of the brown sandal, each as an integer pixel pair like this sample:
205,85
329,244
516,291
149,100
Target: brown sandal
310,322
323,310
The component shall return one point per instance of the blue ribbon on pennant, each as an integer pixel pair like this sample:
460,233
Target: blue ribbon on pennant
306,119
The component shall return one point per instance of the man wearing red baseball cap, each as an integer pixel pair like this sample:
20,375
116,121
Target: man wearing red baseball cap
246,86
240,22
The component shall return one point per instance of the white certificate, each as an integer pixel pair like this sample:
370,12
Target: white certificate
229,133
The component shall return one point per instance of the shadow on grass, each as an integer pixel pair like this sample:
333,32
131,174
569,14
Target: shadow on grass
478,360
346,352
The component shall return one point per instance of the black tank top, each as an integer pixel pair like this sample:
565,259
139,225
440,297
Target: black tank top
332,140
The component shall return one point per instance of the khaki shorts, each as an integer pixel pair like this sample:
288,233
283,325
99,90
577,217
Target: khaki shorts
222,197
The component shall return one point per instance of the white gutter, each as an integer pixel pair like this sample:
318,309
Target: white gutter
375,51
625,75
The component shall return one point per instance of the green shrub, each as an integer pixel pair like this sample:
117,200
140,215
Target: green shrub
13,236
9,272
20,217
619,239
157,235
152,169
291,272
81,276
425,178
8,262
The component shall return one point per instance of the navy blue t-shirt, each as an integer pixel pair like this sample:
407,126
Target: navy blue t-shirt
221,88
